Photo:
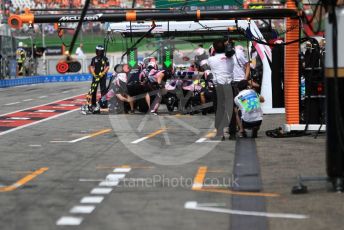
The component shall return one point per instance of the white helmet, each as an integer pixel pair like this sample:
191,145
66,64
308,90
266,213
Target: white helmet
152,65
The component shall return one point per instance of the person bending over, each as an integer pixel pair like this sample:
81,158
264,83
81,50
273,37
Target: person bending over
248,102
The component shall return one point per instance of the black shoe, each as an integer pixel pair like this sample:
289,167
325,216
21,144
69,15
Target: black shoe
232,137
242,134
96,109
254,133
96,112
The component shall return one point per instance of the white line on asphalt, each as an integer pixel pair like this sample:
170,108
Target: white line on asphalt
59,141
69,220
101,191
115,177
90,180
122,170
30,99
112,180
65,105
201,140
45,111
43,96
72,141
35,145
18,118
85,137
194,205
13,103
139,140
92,200
65,92
80,139
107,183
212,205
82,209
205,140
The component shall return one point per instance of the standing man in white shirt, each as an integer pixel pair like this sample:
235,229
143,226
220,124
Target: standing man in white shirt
79,52
241,72
241,65
222,66
81,56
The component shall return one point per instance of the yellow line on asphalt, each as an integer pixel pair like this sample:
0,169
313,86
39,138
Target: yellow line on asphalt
211,134
23,181
149,136
199,178
90,135
100,132
230,192
156,133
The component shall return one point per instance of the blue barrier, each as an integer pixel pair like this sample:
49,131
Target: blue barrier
45,79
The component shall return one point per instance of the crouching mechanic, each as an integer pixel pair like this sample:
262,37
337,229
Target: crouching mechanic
248,102
98,68
118,95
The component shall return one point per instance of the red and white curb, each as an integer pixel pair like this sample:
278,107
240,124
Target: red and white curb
20,119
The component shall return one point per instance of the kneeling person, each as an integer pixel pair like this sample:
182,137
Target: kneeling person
248,102
118,95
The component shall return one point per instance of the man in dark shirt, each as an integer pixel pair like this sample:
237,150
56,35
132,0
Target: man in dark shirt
98,68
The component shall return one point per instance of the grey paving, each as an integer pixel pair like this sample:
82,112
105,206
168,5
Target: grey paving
76,169
281,161
42,201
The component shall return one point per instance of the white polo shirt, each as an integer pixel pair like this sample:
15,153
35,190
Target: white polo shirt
240,62
221,68
80,53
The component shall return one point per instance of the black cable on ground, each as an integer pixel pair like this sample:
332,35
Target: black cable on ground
278,133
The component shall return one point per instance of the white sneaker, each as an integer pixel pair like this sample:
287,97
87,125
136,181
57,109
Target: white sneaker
152,112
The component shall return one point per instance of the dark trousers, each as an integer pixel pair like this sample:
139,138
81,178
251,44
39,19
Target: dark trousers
224,107
233,124
94,88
